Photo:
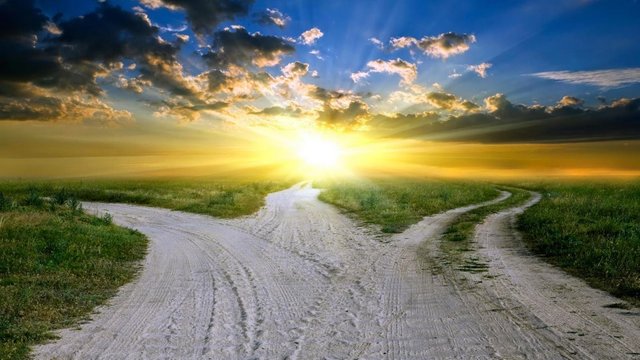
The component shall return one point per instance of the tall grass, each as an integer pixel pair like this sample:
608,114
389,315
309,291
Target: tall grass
590,229
396,204
56,265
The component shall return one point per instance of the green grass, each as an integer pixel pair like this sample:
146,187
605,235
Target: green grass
592,230
221,198
56,265
396,204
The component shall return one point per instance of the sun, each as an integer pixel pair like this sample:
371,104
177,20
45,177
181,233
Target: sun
319,152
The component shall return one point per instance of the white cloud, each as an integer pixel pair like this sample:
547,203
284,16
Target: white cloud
441,46
480,69
375,41
402,42
407,71
317,54
310,36
295,69
609,78
360,75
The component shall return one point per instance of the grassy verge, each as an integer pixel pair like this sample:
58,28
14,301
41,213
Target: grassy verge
592,230
220,198
457,237
56,265
396,204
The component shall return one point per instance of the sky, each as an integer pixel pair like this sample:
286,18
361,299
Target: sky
209,87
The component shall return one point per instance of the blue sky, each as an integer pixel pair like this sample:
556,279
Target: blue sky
140,77
334,64
517,37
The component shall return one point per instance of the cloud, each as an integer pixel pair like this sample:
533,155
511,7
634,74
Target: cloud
506,122
136,84
480,69
204,15
316,53
37,81
570,101
295,69
358,76
450,102
377,42
20,19
277,111
272,17
310,36
236,46
402,42
610,78
406,70
496,102
35,105
355,114
440,46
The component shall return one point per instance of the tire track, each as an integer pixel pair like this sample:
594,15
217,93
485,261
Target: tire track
298,280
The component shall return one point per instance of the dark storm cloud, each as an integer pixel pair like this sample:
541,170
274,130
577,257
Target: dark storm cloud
109,34
511,123
20,19
57,73
205,15
20,60
239,47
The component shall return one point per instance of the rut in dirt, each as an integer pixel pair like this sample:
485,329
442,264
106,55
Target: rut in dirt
299,280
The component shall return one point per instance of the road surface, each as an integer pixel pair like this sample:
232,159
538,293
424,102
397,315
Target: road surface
300,280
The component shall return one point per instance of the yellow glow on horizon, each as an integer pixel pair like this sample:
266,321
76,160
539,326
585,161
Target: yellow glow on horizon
58,150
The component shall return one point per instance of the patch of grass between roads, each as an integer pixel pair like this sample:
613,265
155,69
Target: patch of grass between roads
457,237
396,204
592,230
56,265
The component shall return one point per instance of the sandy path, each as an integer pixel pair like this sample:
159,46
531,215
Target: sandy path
299,280
532,293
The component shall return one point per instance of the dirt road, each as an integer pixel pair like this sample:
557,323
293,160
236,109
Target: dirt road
299,280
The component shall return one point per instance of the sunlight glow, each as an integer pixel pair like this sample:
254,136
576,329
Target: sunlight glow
319,152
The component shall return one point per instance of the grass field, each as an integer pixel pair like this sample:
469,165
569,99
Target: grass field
221,198
56,265
591,230
396,204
